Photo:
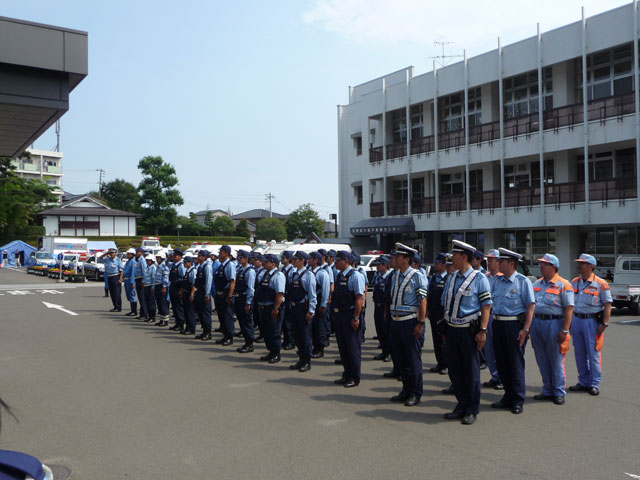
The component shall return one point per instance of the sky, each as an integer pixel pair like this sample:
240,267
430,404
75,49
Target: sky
240,97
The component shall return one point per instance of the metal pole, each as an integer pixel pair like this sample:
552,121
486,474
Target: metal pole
466,139
408,120
435,141
384,145
585,119
541,128
637,96
501,114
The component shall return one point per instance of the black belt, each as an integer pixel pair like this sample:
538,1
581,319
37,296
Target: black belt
586,315
380,305
341,310
547,317
303,302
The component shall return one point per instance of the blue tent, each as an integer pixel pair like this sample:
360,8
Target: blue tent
14,248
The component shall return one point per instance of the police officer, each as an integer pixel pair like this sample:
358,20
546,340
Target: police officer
319,330
435,312
127,278
513,307
256,259
358,268
467,302
346,304
161,284
244,293
476,261
112,268
188,292
550,328
590,319
177,272
408,309
416,264
148,281
332,276
287,322
302,302
202,294
269,298
380,309
493,274
225,284
138,272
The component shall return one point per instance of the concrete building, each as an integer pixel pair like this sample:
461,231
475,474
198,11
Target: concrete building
201,215
257,214
44,166
492,149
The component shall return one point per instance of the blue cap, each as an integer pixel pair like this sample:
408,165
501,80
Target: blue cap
381,260
178,251
301,255
140,249
478,254
188,258
225,248
316,255
441,257
287,254
416,259
242,253
493,253
343,255
355,256
508,254
204,253
548,258
270,257
586,258
322,252
256,256
331,253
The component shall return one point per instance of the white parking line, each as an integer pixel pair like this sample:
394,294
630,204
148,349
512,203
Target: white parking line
631,321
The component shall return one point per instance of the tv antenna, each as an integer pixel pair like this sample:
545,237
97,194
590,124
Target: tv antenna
443,59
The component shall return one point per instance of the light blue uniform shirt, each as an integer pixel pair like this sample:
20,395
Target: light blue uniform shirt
230,271
250,278
591,295
149,275
322,279
128,272
330,272
162,275
492,280
308,281
413,292
260,273
355,282
191,275
181,269
361,271
511,295
552,297
470,302
214,266
277,280
140,266
112,267
208,277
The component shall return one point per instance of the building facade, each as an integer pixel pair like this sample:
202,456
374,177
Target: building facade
492,149
44,166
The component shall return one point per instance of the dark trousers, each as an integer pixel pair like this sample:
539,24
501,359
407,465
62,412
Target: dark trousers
407,350
150,298
177,304
509,360
225,316
319,332
271,328
189,312
287,326
141,298
464,368
161,301
203,310
438,344
301,331
382,327
244,319
349,344
115,290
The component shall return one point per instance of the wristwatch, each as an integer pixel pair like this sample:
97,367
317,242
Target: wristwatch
421,322
605,325
565,331
525,330
483,330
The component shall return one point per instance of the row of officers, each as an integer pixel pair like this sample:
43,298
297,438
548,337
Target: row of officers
474,313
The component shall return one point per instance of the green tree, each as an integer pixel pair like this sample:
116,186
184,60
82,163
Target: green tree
242,229
303,221
210,223
223,226
158,194
190,228
121,195
270,229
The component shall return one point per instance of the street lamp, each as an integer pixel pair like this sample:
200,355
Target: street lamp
179,226
334,217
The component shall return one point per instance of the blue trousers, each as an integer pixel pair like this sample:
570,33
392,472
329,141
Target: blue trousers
548,357
161,301
588,360
115,290
407,350
149,296
177,304
439,348
189,312
510,360
382,327
225,316
140,293
287,326
464,368
203,311
489,354
245,320
271,329
319,330
301,331
130,292
349,344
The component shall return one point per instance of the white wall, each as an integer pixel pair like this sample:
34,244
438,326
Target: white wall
50,225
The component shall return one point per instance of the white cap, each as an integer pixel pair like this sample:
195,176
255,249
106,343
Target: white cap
148,256
131,250
161,255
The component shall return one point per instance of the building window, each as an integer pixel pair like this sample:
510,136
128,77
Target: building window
451,184
601,167
416,121
548,173
399,126
400,190
525,175
476,239
627,241
475,181
521,93
447,238
357,144
531,244
453,110
51,182
417,188
599,241
357,190
625,163
608,73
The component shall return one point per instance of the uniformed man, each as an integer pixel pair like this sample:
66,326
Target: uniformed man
112,268
493,274
161,285
450,269
177,272
269,298
332,276
408,310
148,282
256,259
127,278
244,293
202,294
287,322
139,269
319,330
512,312
435,312
225,284
590,318
346,304
188,292
550,328
476,261
380,282
467,302
358,268
302,302
395,372
416,264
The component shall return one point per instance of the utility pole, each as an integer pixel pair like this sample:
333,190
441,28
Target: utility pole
270,197
102,172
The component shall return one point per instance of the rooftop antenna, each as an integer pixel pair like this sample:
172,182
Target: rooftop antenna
57,147
443,59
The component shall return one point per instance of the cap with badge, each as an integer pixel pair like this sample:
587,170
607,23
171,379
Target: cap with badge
402,249
441,257
381,260
331,253
256,256
586,258
505,254
316,256
178,251
548,258
188,258
225,248
343,255
460,246
270,257
301,255
242,254
416,259
493,253
140,249
355,257
203,253
322,252
449,259
287,254
478,254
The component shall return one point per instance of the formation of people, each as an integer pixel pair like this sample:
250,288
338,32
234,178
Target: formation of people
301,299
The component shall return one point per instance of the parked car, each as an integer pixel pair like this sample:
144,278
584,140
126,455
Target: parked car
94,268
625,288
42,258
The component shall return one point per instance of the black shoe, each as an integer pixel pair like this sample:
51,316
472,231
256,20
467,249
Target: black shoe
260,339
227,342
175,328
401,397
351,384
150,320
495,384
318,354
483,366
578,388
296,365
113,310
380,356
444,371
542,396
391,374
337,361
106,296
206,336
434,370
500,404
558,400
266,358
305,367
593,391
187,332
412,401
245,349
387,358
220,341
289,346
275,358
469,419
340,381
516,409
198,337
448,391
158,323
455,415
130,314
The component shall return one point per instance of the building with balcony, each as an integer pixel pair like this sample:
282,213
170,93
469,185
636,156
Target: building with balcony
532,146
42,165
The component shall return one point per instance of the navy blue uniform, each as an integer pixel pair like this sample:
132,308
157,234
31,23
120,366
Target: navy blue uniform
244,293
287,320
176,277
188,281
203,308
348,285
435,312
222,279
380,310
271,284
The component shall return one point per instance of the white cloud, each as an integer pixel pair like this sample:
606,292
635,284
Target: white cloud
471,24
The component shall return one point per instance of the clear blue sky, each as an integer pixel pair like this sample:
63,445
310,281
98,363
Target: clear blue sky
241,96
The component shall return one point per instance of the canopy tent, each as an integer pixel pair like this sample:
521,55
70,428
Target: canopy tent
99,245
14,248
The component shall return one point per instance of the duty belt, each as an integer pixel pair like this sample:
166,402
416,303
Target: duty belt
113,274
586,315
459,325
507,318
302,302
344,309
547,317
138,277
402,318
380,304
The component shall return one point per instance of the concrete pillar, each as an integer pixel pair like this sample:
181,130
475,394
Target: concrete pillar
491,239
562,169
567,250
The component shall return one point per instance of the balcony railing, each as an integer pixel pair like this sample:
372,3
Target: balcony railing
454,139
560,193
453,203
423,205
397,207
488,200
396,150
375,154
423,145
376,209
522,197
487,132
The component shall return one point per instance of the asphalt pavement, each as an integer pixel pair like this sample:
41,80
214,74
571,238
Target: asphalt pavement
112,398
